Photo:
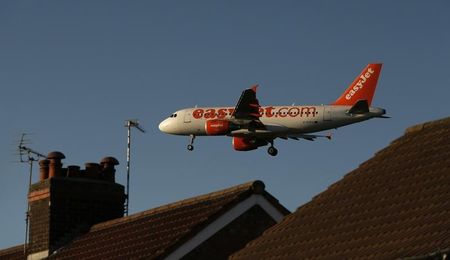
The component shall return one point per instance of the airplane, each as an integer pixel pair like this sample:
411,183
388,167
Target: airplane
251,125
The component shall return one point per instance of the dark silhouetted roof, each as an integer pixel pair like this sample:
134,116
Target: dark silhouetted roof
154,233
395,205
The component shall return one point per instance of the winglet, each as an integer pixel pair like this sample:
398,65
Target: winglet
255,87
363,87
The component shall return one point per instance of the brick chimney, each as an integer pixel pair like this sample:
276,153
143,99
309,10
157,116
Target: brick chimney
66,202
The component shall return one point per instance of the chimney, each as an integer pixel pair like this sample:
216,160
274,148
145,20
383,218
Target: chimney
65,207
55,169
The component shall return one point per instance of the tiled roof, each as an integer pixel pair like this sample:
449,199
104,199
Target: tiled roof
395,205
12,253
154,233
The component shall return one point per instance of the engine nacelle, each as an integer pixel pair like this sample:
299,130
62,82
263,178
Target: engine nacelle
247,143
219,127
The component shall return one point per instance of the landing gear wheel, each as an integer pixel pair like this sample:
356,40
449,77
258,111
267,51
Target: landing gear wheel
272,151
190,146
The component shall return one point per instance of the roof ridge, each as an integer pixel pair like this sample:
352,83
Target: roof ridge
421,126
395,142
256,187
413,129
10,249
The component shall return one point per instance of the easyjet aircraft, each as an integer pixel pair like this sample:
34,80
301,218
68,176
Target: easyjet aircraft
251,125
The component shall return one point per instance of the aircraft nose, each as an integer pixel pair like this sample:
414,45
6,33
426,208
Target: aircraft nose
168,126
163,126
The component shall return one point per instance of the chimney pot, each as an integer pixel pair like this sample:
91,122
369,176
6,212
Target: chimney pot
56,155
73,171
43,171
108,170
92,170
55,169
109,161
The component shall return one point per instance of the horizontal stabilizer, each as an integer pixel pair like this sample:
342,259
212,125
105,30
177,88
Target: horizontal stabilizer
360,107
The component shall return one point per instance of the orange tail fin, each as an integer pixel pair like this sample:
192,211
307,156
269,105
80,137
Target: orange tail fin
363,87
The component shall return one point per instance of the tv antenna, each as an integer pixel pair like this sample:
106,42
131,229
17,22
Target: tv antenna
28,155
129,124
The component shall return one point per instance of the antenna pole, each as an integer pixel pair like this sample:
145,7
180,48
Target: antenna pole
129,125
127,203
30,160
27,217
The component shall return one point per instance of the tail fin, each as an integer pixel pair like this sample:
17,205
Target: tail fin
363,87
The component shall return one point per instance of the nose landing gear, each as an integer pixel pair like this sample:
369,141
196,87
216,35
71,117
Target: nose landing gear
272,150
190,146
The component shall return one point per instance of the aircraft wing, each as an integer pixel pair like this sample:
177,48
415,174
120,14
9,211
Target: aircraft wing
308,137
260,133
248,106
269,131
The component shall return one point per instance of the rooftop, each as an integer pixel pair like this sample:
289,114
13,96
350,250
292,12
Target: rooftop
395,205
153,233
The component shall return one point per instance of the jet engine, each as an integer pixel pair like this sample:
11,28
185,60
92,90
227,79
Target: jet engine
247,143
219,127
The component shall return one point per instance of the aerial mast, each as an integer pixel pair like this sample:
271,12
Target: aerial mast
129,124
31,157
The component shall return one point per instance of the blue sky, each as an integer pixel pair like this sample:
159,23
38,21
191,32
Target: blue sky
71,73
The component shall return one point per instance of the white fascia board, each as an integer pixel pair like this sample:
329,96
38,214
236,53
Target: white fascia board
224,220
38,255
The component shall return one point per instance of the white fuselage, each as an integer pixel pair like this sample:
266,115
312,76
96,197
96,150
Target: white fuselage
252,126
277,119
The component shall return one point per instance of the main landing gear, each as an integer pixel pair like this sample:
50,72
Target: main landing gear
272,150
190,146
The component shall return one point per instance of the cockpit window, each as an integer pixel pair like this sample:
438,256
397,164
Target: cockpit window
173,115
